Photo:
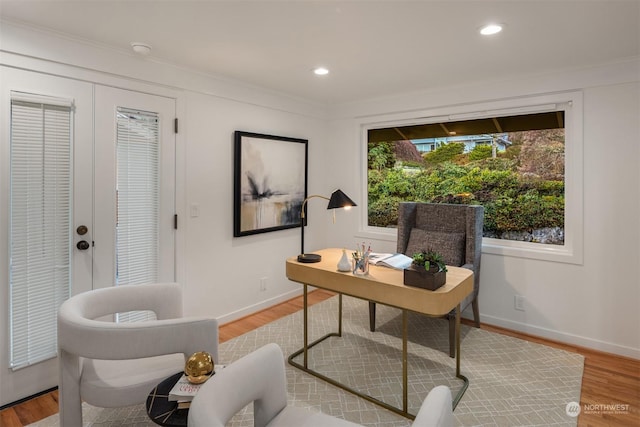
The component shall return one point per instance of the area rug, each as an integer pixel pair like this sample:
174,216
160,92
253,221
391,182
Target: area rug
512,382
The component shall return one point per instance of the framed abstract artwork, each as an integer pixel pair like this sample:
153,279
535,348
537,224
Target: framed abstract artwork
270,182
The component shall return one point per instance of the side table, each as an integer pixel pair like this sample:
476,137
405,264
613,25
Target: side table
161,410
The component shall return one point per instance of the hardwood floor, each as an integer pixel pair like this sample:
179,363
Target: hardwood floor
608,379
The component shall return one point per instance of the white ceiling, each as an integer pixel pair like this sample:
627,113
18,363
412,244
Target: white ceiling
373,48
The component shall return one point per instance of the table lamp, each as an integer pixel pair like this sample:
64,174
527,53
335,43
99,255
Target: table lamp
338,200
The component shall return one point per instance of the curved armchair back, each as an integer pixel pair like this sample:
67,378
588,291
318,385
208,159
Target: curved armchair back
79,332
112,364
258,377
165,301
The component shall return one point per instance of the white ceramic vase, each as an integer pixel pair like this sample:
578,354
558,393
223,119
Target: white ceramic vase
344,264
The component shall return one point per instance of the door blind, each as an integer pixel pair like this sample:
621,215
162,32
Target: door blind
138,201
40,224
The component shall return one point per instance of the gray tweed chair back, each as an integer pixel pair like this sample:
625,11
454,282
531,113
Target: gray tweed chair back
444,218
454,230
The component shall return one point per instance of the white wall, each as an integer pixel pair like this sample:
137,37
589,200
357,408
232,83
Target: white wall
594,304
221,274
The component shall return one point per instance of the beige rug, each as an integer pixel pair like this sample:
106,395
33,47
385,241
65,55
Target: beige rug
512,382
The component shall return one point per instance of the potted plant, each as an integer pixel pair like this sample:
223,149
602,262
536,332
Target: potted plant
427,270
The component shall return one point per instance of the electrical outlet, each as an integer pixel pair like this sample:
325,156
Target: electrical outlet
518,302
263,284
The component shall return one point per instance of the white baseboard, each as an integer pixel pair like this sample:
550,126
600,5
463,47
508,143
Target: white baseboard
562,337
246,311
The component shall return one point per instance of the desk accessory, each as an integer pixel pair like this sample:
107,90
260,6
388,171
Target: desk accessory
427,271
344,264
199,367
338,200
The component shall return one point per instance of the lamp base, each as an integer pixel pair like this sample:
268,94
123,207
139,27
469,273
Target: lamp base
309,258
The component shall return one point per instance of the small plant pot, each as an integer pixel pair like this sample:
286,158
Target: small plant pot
425,279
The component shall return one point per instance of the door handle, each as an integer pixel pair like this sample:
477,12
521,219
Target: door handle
83,245
82,230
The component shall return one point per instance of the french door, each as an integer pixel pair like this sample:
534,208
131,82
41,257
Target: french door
116,222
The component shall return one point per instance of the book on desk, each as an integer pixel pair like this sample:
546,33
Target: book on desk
398,261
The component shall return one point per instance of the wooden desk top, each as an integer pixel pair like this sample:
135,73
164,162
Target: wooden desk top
383,284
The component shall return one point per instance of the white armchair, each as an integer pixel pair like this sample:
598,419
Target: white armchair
110,364
260,378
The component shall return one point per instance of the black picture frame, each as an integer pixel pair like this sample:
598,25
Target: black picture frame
270,182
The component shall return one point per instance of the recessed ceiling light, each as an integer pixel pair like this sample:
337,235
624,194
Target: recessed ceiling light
321,71
141,48
490,29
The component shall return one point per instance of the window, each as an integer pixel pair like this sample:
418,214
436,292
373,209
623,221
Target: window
519,163
138,201
40,224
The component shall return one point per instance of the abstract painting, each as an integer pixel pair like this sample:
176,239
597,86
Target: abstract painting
270,182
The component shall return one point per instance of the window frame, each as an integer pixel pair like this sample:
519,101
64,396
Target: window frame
569,102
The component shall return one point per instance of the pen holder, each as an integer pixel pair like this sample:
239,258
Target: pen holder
360,265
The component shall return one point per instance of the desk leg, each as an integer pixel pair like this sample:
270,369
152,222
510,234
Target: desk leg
304,351
405,400
339,315
458,341
306,327
465,380
405,404
304,366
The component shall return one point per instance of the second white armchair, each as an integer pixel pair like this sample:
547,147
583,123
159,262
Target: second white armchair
260,378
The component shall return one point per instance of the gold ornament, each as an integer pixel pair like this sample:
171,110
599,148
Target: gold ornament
199,367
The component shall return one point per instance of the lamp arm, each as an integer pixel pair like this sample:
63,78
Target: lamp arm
305,202
302,219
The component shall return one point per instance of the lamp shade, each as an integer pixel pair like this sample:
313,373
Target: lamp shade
339,200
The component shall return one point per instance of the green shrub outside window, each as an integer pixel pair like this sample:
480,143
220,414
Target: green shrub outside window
520,184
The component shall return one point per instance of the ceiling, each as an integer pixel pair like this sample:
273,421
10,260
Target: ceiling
372,48
492,125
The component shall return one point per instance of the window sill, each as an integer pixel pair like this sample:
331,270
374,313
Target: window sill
510,248
537,251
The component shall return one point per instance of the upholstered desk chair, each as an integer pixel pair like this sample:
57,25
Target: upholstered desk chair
455,231
111,364
259,377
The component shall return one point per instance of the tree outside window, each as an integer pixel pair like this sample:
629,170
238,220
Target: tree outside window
513,166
